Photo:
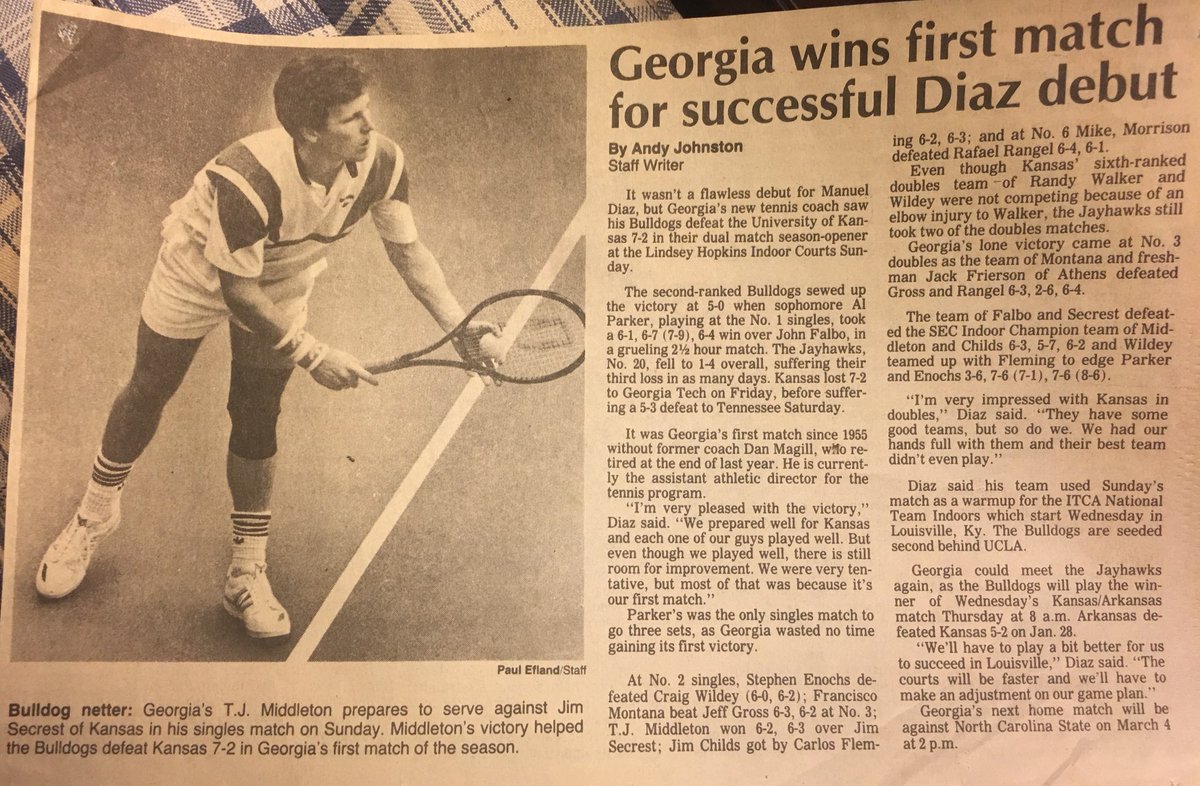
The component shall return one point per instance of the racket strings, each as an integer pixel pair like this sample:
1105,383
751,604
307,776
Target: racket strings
546,335
550,340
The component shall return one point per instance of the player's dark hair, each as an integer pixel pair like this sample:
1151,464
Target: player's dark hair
309,87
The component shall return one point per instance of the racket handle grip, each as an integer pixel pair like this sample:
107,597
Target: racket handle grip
382,366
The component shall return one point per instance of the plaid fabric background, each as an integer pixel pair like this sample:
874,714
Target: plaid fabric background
266,17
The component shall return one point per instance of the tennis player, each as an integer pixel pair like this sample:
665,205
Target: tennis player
245,245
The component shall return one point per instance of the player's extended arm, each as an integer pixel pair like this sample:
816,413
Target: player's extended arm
336,370
424,277
421,272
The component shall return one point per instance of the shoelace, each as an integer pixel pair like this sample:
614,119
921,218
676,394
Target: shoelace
262,589
82,535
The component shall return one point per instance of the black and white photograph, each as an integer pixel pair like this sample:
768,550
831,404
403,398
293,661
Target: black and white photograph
794,396
230,444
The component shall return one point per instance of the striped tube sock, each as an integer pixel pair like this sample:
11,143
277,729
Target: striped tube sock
104,488
250,536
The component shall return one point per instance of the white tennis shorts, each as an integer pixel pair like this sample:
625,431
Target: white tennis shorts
184,299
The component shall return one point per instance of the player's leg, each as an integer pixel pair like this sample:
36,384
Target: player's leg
258,377
158,371
159,368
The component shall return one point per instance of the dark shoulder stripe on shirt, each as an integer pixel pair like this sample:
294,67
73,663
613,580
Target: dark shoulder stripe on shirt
240,220
378,180
239,158
401,192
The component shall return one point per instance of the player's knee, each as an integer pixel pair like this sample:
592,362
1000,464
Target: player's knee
254,407
252,434
253,422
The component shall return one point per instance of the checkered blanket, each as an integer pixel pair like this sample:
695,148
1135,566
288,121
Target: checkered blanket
266,17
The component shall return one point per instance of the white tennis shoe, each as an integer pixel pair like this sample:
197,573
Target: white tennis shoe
248,597
66,561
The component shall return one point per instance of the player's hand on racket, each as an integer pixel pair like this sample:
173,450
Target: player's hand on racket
479,344
339,370
543,337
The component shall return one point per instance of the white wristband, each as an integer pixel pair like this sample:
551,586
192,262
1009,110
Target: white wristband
288,336
318,355
303,349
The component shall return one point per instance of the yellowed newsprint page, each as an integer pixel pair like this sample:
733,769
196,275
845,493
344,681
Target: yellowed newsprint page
799,398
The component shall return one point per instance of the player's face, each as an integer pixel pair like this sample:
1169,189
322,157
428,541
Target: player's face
347,132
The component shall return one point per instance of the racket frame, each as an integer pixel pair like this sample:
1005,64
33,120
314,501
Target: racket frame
413,359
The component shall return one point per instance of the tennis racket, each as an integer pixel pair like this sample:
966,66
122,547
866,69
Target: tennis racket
541,340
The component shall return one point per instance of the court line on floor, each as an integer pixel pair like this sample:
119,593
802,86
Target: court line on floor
390,516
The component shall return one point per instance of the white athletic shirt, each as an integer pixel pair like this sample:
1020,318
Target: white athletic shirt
255,215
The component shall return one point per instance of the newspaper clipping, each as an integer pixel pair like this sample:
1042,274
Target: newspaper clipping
872,464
